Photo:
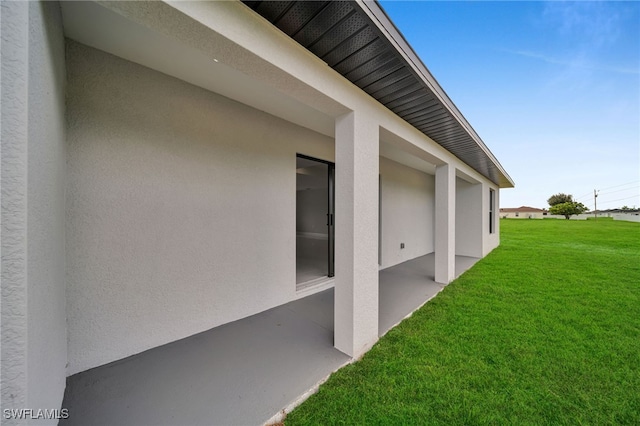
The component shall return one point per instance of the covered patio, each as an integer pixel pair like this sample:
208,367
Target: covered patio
244,372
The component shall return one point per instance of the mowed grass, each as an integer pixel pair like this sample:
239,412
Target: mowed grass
544,330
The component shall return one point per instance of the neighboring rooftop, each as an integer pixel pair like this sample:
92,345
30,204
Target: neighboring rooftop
627,211
522,209
358,40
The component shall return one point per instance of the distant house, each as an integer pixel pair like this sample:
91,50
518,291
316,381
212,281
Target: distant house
619,211
523,212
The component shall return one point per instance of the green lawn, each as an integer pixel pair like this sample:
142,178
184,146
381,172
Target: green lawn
545,330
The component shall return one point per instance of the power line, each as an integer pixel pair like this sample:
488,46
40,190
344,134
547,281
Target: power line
619,199
588,194
623,184
605,192
619,190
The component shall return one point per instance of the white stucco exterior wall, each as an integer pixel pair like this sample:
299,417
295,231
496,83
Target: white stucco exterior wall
47,337
629,217
407,216
33,161
180,211
14,37
469,226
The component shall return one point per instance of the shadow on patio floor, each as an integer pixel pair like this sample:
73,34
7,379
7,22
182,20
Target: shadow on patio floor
241,373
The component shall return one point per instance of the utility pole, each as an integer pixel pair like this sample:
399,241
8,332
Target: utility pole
595,203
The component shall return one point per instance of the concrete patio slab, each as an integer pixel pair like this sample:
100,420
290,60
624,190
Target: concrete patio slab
240,373
407,286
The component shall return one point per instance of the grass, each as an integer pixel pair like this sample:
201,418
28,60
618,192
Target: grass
544,330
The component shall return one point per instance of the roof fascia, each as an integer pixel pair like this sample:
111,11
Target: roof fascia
391,32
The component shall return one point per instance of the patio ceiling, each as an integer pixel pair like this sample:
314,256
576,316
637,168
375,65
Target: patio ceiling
358,40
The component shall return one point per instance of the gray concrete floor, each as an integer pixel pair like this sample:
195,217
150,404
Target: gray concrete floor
240,373
310,269
311,259
407,286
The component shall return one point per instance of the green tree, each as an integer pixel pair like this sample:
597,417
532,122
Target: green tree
568,209
559,199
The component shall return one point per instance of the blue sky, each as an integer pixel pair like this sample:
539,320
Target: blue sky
553,88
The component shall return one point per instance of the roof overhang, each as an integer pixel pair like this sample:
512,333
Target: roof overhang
358,40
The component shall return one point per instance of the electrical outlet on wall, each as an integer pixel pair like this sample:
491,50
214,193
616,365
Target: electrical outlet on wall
401,245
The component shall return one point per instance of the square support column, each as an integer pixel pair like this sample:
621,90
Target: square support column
445,256
32,176
356,227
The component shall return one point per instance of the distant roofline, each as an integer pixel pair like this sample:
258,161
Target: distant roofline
522,209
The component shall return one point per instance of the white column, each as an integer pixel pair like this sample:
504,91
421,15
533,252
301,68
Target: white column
445,261
14,60
356,226
32,177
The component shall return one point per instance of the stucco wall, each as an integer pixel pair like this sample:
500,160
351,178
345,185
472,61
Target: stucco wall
14,17
625,216
180,208
33,160
407,212
468,219
47,337
630,217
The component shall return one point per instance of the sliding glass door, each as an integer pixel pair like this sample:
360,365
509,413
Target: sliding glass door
315,197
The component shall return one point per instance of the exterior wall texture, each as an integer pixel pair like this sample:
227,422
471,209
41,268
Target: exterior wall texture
180,209
14,17
407,216
616,216
469,226
47,342
626,217
33,160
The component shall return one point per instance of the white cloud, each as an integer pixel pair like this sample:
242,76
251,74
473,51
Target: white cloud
578,62
595,23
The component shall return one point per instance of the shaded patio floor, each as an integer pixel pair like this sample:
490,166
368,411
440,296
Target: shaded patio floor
241,373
